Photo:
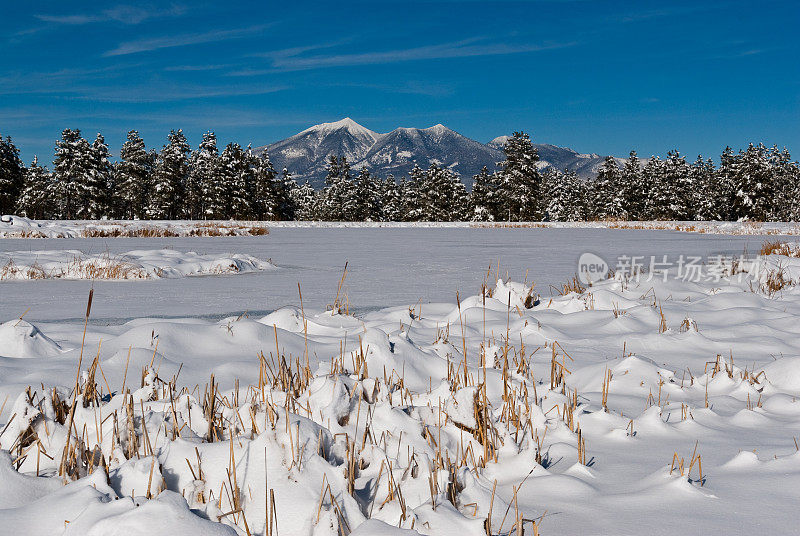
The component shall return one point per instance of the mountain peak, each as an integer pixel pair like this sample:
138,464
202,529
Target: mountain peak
438,129
499,142
345,124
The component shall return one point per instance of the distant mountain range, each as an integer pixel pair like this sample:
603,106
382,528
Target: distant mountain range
306,154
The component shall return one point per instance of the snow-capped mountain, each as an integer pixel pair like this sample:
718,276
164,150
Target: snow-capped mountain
397,152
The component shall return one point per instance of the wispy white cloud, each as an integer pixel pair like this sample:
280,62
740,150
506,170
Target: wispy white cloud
295,60
157,43
197,68
125,14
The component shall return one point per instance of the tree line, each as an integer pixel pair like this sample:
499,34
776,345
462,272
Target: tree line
757,183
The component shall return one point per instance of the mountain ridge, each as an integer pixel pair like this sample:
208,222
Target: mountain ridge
306,153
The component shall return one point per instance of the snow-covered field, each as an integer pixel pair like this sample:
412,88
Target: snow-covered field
663,399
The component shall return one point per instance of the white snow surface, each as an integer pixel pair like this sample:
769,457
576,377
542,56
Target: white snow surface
141,264
376,424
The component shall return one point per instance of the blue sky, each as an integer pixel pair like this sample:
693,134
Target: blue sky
601,77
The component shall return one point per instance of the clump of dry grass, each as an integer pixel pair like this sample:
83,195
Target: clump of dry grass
106,267
128,232
203,229
678,464
12,271
776,247
572,284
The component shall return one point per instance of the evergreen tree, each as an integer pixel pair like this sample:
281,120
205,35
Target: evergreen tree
205,188
285,189
231,198
607,192
786,206
133,174
635,189
482,197
411,194
71,171
97,190
12,175
441,194
677,186
366,197
305,200
657,202
519,181
725,182
701,179
754,187
36,201
167,198
265,203
564,199
391,207
337,201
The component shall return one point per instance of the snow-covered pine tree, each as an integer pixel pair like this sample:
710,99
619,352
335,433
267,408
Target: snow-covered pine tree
482,197
12,175
457,201
285,188
701,177
264,202
133,174
657,203
205,188
635,189
71,168
607,201
519,181
167,198
677,187
410,194
563,196
305,200
726,184
97,191
786,206
35,201
232,196
754,189
337,200
366,197
391,208
442,196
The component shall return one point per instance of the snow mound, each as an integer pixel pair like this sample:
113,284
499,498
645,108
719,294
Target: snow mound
19,227
140,264
20,339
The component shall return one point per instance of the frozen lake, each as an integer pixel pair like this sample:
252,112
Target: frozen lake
387,266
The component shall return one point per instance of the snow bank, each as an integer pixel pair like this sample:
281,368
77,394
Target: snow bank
20,227
141,264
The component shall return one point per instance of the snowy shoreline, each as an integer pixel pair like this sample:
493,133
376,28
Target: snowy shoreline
19,227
